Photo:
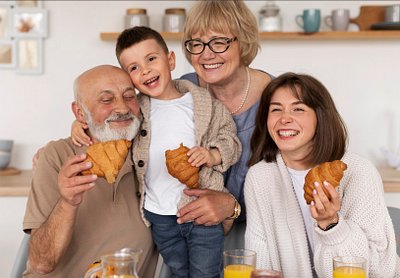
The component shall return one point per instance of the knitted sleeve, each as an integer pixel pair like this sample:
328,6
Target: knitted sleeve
224,138
365,228
255,235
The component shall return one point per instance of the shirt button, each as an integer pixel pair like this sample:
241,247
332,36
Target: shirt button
138,194
140,163
143,132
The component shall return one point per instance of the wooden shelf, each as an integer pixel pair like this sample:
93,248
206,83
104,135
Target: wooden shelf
112,36
359,35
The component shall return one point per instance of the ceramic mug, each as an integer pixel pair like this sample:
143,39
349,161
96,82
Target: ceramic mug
338,20
392,13
310,20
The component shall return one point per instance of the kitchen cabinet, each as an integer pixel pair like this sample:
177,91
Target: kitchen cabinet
358,35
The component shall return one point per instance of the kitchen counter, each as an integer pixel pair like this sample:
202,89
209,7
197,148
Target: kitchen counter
18,185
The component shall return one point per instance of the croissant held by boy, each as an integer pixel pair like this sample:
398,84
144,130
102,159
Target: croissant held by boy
179,167
331,172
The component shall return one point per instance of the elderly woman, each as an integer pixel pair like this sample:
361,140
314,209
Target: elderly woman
221,40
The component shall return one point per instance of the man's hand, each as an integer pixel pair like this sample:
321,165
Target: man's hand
211,207
49,242
72,186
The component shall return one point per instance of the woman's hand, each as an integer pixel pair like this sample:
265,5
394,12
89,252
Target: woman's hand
322,209
211,207
78,134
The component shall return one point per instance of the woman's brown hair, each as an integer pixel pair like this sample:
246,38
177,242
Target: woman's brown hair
330,139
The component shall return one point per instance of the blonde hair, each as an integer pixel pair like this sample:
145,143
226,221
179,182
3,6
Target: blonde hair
228,16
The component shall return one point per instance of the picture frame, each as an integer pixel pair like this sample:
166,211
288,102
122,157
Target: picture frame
4,21
7,54
29,56
29,23
8,3
29,3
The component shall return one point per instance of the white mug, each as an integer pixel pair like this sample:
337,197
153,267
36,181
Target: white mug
338,20
392,13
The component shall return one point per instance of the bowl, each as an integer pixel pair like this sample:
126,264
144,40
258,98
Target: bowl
6,145
5,158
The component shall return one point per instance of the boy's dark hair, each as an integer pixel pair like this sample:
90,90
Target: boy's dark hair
330,139
135,35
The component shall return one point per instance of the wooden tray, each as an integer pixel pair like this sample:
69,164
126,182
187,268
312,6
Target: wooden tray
369,15
9,171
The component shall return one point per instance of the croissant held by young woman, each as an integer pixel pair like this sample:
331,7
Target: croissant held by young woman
331,172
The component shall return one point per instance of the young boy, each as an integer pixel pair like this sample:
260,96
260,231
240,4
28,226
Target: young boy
176,112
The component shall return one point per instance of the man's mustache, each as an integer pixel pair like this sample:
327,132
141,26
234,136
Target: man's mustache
120,117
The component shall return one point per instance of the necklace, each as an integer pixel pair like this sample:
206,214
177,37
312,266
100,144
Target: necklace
246,93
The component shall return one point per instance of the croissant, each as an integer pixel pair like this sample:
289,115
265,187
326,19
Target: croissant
331,172
107,158
179,167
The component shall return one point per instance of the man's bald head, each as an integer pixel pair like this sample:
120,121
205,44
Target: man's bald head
86,79
105,99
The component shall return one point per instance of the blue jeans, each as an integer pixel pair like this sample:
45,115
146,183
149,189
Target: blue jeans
189,250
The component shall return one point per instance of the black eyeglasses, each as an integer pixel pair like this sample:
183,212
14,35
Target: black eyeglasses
216,45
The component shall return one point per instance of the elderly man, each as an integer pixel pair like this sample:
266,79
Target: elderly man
74,219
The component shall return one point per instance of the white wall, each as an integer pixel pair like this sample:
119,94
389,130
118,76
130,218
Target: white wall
363,77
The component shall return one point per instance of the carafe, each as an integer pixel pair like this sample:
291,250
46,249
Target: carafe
121,264
269,18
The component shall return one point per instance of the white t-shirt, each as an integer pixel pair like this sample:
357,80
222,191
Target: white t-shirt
298,184
172,123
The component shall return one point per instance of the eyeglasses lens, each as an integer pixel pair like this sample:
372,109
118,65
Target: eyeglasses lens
216,45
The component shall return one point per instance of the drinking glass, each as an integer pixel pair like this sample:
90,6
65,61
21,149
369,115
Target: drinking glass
266,273
239,263
349,267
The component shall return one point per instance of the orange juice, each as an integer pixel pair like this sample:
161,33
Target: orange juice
349,272
238,271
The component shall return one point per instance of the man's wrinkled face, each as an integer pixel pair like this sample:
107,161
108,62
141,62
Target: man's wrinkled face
108,104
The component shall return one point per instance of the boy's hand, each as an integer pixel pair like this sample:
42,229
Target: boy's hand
78,134
199,156
35,158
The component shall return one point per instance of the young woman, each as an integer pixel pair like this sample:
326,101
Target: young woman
297,128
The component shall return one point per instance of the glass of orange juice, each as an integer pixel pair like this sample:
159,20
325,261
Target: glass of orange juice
349,267
239,263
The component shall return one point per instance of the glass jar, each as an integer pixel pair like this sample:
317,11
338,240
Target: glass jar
174,19
136,17
269,18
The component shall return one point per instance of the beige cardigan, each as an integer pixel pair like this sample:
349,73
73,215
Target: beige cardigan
214,128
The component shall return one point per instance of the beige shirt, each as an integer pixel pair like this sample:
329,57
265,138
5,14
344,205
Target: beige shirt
108,218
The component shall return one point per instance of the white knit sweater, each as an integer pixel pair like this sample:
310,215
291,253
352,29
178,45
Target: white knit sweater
276,230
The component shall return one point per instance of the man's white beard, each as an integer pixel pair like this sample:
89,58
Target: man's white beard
106,133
